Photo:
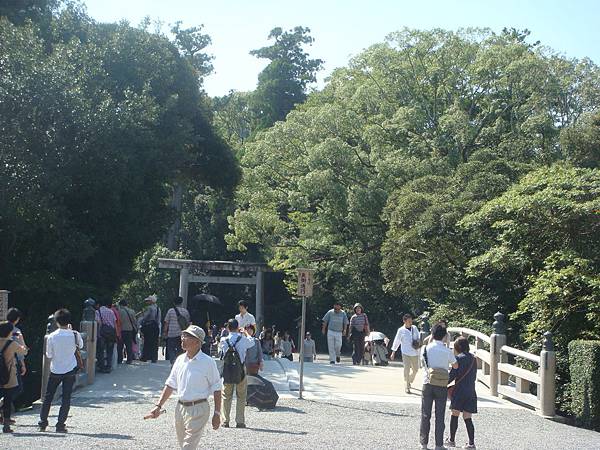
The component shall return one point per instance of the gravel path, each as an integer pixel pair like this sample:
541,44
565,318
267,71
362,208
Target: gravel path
296,424
108,415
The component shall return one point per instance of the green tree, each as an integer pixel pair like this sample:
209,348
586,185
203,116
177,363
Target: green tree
282,84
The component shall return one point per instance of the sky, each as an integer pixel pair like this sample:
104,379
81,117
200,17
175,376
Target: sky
342,28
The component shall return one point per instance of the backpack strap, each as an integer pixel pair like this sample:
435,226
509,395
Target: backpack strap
5,346
236,343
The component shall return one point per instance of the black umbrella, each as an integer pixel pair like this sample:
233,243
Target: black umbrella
207,298
261,393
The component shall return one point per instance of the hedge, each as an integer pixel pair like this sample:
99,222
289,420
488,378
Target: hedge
584,367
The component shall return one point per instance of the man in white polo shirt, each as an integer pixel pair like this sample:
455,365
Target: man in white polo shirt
244,318
195,377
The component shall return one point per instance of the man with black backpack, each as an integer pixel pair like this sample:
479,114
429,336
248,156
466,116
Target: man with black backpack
177,319
233,349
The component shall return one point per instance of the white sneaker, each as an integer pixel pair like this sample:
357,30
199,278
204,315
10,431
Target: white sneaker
472,446
450,444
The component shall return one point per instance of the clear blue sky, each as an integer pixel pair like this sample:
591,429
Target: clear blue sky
343,28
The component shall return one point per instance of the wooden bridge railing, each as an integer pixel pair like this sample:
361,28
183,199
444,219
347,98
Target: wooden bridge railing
500,367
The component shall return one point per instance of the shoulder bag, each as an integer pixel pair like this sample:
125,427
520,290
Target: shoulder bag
453,387
80,364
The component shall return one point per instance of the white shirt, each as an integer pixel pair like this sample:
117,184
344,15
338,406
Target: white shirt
196,378
245,320
438,357
404,339
241,345
60,348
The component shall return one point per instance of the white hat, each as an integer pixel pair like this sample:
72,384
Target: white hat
196,331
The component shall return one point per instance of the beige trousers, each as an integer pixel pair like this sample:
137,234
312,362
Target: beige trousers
240,402
410,363
189,424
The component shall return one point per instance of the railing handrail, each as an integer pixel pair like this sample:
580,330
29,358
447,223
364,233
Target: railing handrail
521,354
470,332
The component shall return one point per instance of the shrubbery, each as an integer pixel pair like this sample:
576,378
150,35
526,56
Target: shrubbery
584,363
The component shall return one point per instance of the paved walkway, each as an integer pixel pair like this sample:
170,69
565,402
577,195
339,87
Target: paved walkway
336,414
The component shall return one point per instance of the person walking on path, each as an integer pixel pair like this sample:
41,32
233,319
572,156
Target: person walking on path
195,377
463,397
177,319
286,347
244,318
267,344
234,348
9,349
335,327
254,355
359,328
150,327
310,348
107,337
437,358
128,332
61,346
408,340
14,315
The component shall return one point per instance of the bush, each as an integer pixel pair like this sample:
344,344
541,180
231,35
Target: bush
584,365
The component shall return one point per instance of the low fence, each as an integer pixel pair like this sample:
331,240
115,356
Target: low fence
512,373
88,330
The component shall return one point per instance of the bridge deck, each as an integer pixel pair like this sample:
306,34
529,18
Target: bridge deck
346,407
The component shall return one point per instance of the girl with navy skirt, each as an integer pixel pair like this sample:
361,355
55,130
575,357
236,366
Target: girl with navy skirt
464,398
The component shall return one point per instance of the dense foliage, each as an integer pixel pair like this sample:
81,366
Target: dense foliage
453,171
584,362
97,121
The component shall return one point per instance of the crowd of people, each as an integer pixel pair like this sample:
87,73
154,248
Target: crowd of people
193,352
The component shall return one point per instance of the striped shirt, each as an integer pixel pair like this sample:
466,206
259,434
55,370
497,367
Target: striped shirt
359,322
174,330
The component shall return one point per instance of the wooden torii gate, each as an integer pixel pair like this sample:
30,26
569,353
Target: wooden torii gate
195,271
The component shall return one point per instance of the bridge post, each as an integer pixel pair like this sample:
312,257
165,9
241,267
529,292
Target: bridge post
91,330
497,340
50,327
547,388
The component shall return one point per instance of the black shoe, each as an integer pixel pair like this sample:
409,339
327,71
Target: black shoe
62,429
7,430
154,361
337,360
331,362
41,428
240,425
225,425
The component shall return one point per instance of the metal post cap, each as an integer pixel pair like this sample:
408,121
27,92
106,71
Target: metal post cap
499,325
548,343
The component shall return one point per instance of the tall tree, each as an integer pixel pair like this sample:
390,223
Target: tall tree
282,84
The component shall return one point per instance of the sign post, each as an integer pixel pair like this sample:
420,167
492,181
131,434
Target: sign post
3,304
305,289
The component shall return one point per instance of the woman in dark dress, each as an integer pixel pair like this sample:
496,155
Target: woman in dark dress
464,398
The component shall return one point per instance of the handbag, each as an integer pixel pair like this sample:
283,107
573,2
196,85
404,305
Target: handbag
416,343
80,364
452,388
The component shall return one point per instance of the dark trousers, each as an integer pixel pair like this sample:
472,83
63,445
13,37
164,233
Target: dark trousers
150,351
104,350
67,380
173,348
126,343
9,395
358,339
439,395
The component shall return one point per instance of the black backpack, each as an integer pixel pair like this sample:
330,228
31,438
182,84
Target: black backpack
4,371
233,369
